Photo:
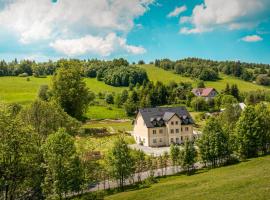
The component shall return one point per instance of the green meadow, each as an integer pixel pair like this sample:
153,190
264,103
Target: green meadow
243,181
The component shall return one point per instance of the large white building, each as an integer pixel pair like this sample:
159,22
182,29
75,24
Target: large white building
156,127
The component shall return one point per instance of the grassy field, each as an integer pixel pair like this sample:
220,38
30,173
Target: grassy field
247,180
17,89
102,144
105,112
158,74
111,125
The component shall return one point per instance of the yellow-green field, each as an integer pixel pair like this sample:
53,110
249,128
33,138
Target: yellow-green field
18,89
247,180
158,74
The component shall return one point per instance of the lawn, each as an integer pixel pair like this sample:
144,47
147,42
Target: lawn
247,180
105,112
111,125
158,74
19,90
102,144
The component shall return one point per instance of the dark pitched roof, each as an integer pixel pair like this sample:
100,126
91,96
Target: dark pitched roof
155,117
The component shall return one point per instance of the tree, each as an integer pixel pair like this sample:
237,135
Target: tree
200,84
174,154
140,163
120,161
199,104
47,117
63,168
263,119
109,99
235,91
43,92
69,90
188,156
19,157
248,133
214,143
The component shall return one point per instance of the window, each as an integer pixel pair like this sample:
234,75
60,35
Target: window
172,130
186,128
172,123
181,138
160,131
177,140
160,139
181,129
176,123
171,140
154,140
177,130
154,132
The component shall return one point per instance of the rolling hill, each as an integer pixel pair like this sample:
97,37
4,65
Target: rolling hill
246,180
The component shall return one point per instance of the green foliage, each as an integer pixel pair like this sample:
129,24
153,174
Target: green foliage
43,92
109,99
214,143
121,163
63,168
188,156
69,90
20,167
47,117
199,104
253,131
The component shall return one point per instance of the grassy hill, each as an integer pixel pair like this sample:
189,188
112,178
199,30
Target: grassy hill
247,180
158,74
17,89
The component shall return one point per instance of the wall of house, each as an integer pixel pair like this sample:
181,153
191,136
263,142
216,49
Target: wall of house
157,137
140,131
174,130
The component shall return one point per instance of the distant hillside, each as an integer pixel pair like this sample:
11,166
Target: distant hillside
247,180
158,74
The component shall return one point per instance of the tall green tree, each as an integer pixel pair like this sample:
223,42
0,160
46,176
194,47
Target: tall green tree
20,171
63,168
69,89
214,143
47,117
188,156
121,161
248,133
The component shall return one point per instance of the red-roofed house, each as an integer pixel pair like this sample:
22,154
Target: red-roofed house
207,93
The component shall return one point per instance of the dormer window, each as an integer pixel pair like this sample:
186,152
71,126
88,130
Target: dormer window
172,123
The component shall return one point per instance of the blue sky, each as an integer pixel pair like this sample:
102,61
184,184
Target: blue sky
137,29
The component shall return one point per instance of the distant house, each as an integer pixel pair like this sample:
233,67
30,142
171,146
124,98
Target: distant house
207,93
156,127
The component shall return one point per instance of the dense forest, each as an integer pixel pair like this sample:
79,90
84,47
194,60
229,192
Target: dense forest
209,70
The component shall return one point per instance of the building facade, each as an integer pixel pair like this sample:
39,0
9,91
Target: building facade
157,127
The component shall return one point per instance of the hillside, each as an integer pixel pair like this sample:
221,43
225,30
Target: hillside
247,180
158,74
17,89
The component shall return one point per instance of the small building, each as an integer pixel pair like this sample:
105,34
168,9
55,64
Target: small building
157,127
207,93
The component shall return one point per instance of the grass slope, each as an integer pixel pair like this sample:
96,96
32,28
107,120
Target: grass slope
247,180
158,74
17,89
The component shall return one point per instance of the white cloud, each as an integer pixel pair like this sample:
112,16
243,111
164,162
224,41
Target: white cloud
231,14
34,21
252,38
96,45
177,11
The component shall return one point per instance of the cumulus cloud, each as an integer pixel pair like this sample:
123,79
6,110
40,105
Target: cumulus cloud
34,21
252,38
177,11
231,14
96,45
